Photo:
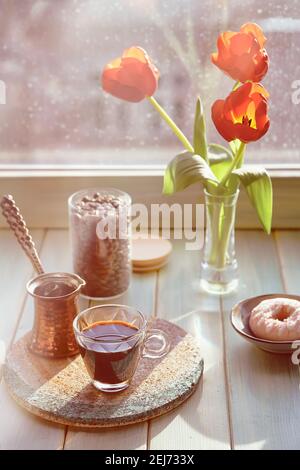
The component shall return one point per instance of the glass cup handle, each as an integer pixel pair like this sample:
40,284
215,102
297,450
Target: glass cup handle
162,344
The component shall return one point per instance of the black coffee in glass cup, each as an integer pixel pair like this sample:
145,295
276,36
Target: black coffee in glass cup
112,339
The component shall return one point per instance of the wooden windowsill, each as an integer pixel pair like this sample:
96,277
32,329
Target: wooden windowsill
42,191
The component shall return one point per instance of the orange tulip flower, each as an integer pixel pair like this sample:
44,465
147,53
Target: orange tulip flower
243,114
131,77
241,55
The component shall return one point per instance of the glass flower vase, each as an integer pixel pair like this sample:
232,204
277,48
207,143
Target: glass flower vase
219,265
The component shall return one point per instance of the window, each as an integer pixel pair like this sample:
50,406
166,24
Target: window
52,54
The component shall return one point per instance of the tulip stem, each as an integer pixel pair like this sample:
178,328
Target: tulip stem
171,124
234,163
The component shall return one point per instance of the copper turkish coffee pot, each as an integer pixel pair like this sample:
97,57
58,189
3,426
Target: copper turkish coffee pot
55,295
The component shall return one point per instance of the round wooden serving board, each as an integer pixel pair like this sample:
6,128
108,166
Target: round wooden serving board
61,391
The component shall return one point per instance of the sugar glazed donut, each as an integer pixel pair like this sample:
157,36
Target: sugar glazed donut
276,319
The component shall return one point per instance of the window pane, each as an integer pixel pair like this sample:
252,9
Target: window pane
52,54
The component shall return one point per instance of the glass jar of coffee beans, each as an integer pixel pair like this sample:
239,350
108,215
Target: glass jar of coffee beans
100,236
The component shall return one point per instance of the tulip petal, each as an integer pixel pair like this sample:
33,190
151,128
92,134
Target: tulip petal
256,31
258,88
124,92
238,101
131,77
261,116
241,55
136,52
241,43
223,125
136,74
114,64
226,37
243,115
246,134
221,57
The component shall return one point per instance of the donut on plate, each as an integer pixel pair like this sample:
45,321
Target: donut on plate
276,319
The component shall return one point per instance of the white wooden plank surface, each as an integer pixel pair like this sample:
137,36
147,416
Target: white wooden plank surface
15,271
288,246
264,393
132,437
18,428
264,397
202,422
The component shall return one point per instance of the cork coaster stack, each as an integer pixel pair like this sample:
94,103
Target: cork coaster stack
150,254
60,390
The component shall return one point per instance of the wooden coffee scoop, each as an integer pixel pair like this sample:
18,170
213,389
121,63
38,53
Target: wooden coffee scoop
18,225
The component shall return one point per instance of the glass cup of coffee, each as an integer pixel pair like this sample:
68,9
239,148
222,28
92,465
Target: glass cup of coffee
112,339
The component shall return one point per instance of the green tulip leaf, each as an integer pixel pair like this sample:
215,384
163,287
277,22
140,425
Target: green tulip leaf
218,153
220,159
220,167
199,142
184,170
258,185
